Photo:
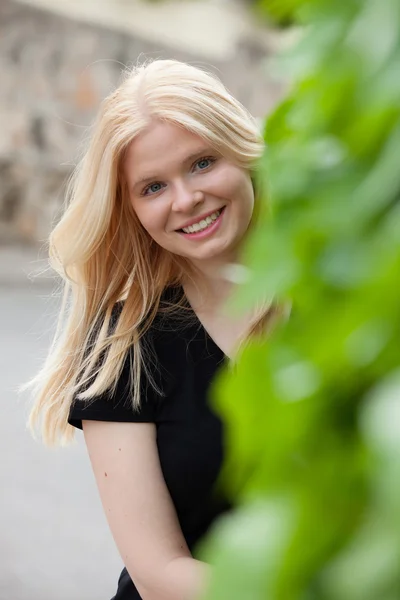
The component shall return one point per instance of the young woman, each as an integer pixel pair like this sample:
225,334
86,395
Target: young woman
158,208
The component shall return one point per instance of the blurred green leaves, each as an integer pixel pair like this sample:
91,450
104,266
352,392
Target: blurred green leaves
282,13
312,413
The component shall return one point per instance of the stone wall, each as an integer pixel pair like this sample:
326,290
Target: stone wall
54,72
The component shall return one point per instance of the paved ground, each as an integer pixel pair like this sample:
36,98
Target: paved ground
54,540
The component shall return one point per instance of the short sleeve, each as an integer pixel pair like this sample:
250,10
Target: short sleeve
117,406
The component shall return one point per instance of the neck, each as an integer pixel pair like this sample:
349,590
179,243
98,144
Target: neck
209,286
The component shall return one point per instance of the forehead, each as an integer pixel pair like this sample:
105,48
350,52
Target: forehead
159,148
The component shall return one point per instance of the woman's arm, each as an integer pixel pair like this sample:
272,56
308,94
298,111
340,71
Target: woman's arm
140,511
186,577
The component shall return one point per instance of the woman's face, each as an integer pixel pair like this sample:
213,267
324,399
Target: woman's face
176,180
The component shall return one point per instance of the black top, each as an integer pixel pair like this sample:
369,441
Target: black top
189,433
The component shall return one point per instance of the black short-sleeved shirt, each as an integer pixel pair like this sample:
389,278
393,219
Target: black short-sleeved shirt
189,432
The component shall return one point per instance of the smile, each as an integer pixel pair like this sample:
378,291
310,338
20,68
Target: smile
203,224
204,227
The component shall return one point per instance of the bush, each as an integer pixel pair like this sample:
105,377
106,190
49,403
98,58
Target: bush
312,414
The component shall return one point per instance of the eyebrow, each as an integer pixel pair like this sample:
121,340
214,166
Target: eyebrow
189,158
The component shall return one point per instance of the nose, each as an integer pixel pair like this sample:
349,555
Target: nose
185,198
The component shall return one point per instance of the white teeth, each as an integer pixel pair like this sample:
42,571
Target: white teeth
203,224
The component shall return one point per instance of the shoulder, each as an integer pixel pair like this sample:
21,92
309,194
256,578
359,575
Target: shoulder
172,303
162,353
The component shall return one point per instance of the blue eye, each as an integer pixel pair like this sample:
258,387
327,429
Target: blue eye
204,163
153,188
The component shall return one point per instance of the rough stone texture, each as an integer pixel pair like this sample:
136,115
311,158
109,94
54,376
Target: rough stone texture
54,72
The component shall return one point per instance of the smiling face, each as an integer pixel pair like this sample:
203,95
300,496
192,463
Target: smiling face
176,179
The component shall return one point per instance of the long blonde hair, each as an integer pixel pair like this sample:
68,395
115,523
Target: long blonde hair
102,252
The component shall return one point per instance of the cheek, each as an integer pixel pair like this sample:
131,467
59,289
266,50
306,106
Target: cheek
150,218
233,184
140,213
239,190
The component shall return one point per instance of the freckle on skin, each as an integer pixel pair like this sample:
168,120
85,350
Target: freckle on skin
105,474
119,449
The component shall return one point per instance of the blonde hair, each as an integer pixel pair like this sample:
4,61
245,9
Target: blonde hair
102,252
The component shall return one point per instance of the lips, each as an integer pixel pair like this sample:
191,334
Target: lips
200,218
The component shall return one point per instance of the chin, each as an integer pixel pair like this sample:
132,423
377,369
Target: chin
209,255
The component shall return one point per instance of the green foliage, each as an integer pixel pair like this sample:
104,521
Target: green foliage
281,12
313,413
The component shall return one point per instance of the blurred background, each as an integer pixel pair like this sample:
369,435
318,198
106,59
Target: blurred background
58,59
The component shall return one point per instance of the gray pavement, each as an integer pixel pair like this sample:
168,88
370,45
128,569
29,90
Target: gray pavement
54,539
